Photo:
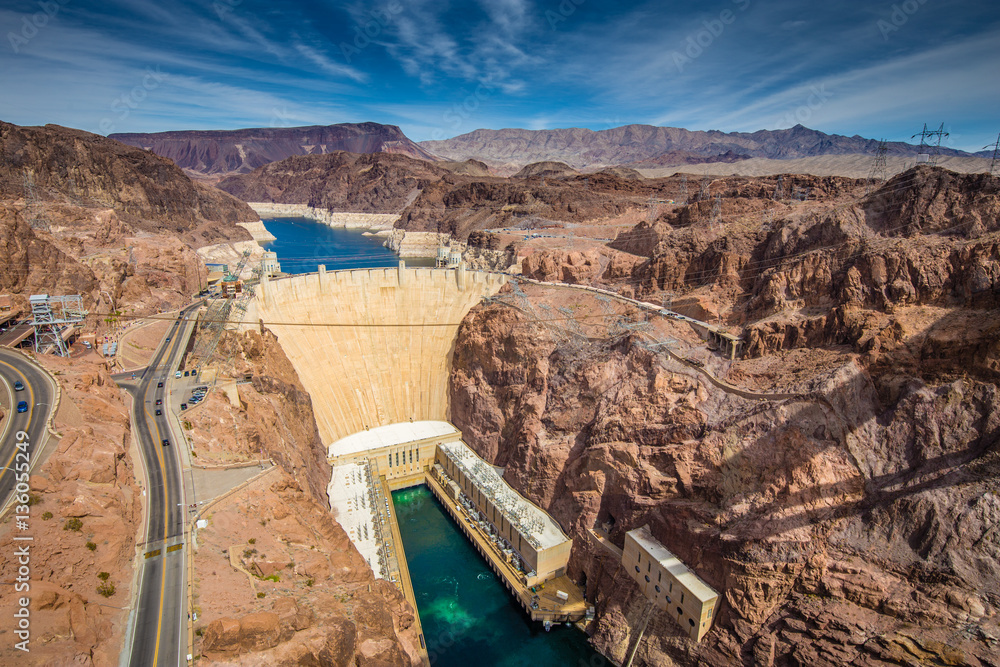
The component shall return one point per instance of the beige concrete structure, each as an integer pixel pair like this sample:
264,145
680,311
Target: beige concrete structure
669,583
397,451
520,525
371,346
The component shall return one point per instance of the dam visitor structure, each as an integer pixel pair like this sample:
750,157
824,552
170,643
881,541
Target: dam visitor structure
373,349
668,583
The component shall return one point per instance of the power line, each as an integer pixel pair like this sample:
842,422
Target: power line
930,142
877,172
996,155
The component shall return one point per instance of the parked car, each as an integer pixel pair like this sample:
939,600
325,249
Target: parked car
184,406
177,374
18,386
22,406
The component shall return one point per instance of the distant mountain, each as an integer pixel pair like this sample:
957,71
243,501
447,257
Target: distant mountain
242,151
511,149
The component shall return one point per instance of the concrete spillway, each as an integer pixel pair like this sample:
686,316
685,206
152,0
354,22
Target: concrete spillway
371,346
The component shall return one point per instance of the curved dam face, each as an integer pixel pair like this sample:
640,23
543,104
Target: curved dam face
372,346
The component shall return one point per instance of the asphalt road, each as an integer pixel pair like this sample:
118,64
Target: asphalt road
159,621
38,393
15,334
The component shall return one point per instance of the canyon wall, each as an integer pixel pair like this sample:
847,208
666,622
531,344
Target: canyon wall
853,524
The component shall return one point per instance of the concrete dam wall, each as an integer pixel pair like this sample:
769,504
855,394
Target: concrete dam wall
371,346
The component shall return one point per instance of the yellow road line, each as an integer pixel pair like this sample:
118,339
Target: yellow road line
31,408
166,494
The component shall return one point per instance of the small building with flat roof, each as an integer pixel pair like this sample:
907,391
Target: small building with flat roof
669,583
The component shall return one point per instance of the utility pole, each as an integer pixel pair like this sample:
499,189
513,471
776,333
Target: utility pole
930,142
684,188
779,189
703,195
996,155
877,172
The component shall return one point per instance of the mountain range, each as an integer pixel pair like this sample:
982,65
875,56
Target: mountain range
241,151
225,152
647,145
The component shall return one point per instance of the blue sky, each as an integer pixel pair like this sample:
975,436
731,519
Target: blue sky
438,68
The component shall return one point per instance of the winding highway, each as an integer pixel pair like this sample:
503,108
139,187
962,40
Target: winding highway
39,394
157,632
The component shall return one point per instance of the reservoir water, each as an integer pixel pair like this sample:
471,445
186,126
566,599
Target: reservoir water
304,244
469,618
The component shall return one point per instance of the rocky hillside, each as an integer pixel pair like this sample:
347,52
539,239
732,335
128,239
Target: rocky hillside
450,198
314,600
652,146
837,485
242,151
80,213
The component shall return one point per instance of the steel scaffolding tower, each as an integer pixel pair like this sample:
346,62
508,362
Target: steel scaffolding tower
50,316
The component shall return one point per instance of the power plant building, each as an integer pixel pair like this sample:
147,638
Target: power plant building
669,583
527,529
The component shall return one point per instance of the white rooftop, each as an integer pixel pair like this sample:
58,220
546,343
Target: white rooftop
393,434
351,501
536,525
672,564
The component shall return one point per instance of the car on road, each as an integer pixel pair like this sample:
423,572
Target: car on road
166,442
18,386
159,384
159,401
168,339
22,406
159,412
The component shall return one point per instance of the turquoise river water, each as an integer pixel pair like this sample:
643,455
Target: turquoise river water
469,618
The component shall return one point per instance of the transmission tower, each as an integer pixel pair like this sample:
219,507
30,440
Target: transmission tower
703,194
877,173
51,315
930,142
684,189
214,322
32,207
779,189
717,210
996,155
654,209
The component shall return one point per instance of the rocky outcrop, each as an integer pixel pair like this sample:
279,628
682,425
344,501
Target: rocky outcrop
242,151
82,214
84,494
850,525
839,491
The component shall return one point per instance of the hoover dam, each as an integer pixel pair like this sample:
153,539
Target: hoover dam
372,346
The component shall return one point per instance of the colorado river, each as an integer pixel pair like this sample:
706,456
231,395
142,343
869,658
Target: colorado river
468,617
303,244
